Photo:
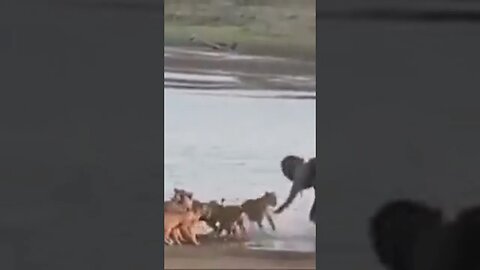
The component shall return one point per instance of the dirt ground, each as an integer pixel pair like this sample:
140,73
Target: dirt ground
214,255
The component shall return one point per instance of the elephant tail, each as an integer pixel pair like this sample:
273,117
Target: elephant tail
290,164
395,229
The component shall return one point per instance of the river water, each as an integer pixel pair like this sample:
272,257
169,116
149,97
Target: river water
229,144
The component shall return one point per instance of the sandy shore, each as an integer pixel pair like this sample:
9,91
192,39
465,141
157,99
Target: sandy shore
214,255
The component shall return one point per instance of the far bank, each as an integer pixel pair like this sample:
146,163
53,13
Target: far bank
260,27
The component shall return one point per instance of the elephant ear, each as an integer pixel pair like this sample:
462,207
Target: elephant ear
290,164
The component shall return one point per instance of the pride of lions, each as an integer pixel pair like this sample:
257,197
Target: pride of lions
182,213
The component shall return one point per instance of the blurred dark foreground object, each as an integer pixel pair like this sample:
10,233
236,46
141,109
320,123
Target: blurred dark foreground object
81,135
409,235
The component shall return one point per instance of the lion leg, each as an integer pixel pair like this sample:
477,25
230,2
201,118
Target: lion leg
189,234
217,229
181,234
176,236
243,230
259,223
193,236
185,231
227,227
232,231
167,239
239,231
270,220
212,224
220,229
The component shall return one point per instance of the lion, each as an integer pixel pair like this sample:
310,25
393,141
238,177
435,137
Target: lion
189,229
182,195
179,202
228,218
180,223
218,217
257,209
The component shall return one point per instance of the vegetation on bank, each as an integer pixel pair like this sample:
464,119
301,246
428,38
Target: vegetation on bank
271,27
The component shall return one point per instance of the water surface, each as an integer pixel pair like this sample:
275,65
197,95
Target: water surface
224,146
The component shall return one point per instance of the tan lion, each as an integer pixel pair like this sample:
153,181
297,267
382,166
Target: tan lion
212,206
230,219
185,202
180,223
179,202
257,209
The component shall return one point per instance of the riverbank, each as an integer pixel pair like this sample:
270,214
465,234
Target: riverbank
267,27
192,68
248,43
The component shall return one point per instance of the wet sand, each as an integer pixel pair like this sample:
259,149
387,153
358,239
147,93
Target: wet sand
231,253
200,58
204,69
214,255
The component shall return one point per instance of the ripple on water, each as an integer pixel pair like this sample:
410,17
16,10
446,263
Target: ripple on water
266,241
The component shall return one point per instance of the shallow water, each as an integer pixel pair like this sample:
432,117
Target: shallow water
224,146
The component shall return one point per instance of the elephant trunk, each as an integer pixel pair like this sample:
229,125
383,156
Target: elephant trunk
293,193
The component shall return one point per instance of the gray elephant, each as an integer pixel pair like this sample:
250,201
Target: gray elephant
303,175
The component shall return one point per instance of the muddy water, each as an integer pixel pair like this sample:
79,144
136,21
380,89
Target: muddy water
223,140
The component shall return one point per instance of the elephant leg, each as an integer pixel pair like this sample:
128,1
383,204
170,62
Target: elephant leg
313,211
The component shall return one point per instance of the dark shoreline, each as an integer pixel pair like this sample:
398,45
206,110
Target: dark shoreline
252,71
283,64
234,256
277,96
